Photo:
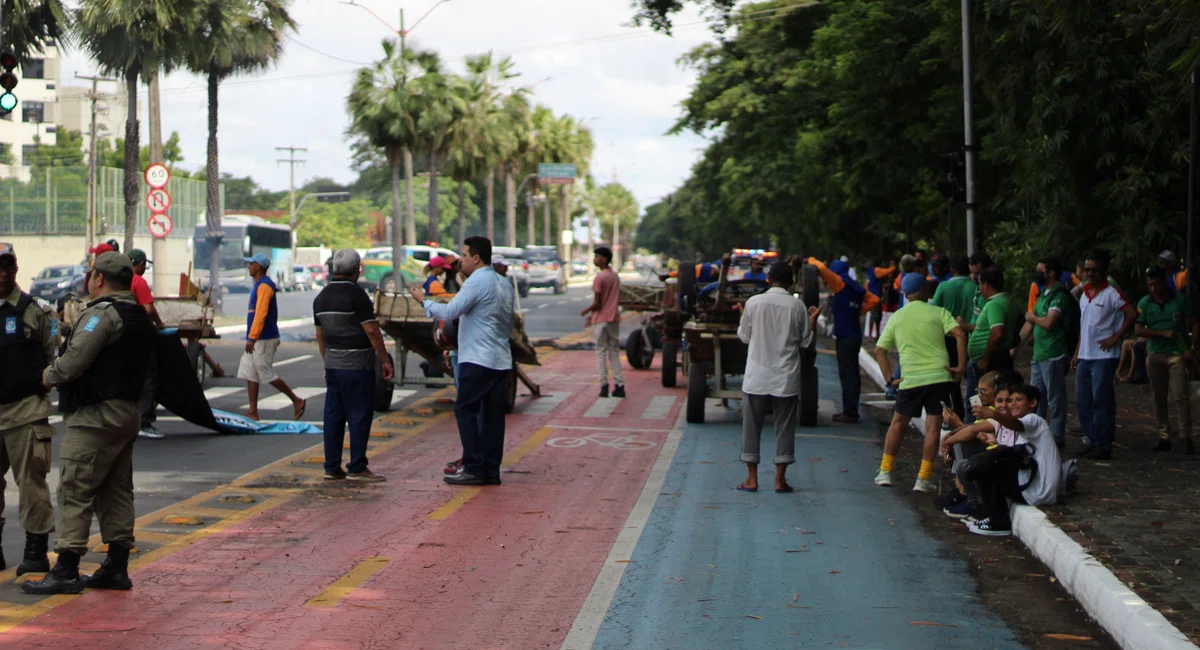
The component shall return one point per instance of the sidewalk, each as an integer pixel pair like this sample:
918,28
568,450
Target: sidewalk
1139,514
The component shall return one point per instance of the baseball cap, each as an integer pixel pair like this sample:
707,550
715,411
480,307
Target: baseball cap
260,259
137,256
100,249
912,283
114,263
7,249
439,262
941,258
1168,256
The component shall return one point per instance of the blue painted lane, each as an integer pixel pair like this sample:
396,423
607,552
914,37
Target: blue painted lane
839,563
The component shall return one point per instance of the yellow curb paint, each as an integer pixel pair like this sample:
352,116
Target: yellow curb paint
14,615
315,460
380,434
452,506
460,498
183,521
354,579
444,400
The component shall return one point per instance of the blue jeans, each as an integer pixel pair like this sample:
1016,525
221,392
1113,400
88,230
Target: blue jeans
349,400
480,411
1096,400
972,390
454,366
1050,378
848,372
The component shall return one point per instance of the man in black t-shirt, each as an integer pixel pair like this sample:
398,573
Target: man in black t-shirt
348,337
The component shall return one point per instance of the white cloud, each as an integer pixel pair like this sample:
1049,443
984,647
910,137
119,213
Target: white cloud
623,78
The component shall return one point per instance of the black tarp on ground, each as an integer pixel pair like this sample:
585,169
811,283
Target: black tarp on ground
178,390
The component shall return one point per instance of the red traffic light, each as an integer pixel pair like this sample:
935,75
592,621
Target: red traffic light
8,60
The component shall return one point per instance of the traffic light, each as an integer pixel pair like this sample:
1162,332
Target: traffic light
954,177
8,81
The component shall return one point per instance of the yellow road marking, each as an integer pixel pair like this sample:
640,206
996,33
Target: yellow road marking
12,615
460,498
354,579
450,507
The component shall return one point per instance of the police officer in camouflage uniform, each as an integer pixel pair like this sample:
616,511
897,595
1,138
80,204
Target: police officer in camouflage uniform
28,341
99,378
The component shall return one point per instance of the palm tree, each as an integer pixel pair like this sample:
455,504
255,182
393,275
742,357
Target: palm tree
476,137
230,37
127,37
441,105
617,210
383,110
491,75
518,122
30,26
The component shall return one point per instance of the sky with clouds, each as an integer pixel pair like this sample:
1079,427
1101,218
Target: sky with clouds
625,81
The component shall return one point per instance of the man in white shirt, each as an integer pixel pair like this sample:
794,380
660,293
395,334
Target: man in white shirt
776,326
1105,317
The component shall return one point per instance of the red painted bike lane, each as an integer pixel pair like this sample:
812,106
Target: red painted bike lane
411,563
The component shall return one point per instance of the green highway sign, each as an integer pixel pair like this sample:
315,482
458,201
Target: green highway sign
556,173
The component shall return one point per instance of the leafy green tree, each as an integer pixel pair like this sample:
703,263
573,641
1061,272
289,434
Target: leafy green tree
336,225
441,105
225,38
127,38
615,205
112,154
477,137
30,25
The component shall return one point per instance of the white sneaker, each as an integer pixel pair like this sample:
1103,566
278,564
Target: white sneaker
986,528
151,432
883,478
924,485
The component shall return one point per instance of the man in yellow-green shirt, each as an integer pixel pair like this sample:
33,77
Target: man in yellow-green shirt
917,332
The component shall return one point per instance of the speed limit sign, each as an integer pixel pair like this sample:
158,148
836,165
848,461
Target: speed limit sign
160,225
157,176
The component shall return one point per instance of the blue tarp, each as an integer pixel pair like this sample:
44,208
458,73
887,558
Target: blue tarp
240,424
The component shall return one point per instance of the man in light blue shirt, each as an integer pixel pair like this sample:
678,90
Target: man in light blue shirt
484,307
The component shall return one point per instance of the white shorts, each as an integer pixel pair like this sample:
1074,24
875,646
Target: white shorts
260,366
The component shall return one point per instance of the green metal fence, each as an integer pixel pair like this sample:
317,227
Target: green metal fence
54,201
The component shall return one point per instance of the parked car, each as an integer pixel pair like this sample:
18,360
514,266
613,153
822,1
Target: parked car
518,267
377,266
320,274
579,268
55,282
546,270
302,279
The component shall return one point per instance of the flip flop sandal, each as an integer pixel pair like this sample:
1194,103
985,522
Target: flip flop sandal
742,488
785,489
300,411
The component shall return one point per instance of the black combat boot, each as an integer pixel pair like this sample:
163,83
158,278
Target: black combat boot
62,579
35,560
113,573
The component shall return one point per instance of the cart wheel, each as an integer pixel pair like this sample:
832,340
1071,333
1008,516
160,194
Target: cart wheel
640,357
511,399
697,390
383,387
669,368
195,354
808,396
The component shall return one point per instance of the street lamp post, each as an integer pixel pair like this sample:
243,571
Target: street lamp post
969,148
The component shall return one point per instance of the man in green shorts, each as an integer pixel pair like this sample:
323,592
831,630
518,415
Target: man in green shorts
917,331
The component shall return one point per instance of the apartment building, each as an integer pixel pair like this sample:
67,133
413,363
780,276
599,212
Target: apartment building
34,117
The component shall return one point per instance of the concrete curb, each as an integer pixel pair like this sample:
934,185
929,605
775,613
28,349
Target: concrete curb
1131,621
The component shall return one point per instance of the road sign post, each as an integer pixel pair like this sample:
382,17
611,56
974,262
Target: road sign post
160,224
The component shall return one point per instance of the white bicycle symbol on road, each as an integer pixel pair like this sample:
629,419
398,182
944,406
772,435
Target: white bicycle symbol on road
624,443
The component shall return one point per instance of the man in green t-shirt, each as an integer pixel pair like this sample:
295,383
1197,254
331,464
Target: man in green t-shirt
992,332
1165,320
1051,353
917,332
978,262
957,296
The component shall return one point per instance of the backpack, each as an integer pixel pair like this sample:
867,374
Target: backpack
1070,477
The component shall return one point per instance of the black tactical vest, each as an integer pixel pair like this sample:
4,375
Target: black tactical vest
22,359
120,369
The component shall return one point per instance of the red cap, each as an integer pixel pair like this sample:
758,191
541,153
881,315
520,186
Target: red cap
100,249
439,262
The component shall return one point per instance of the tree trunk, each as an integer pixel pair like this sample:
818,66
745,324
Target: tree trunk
564,223
433,232
132,164
489,185
158,247
530,220
396,222
510,205
462,214
410,219
212,192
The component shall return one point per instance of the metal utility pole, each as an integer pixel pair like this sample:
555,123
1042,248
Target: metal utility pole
969,147
94,97
546,234
158,245
1194,133
529,201
292,161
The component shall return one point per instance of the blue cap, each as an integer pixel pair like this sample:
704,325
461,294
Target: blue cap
912,283
260,258
839,267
